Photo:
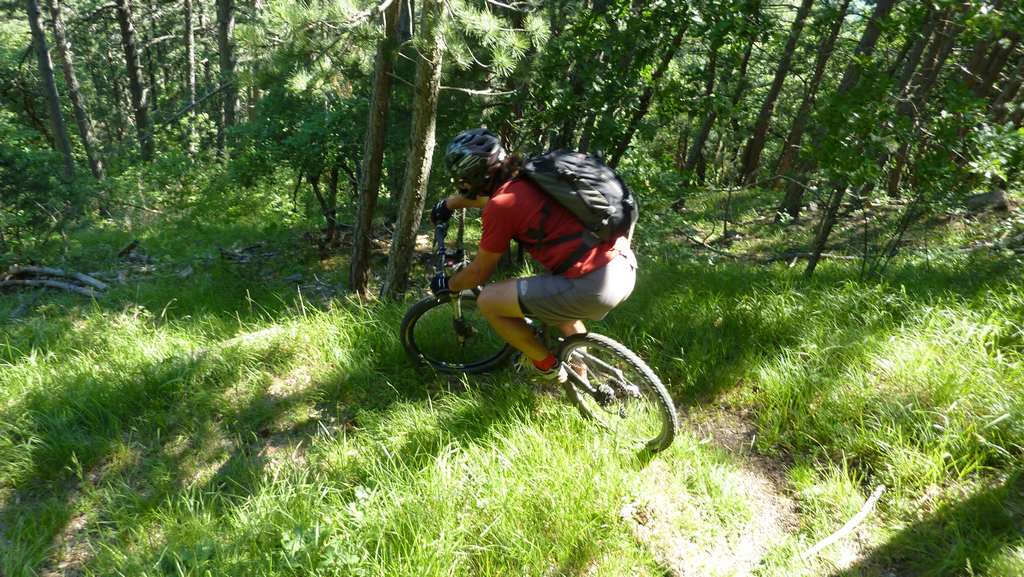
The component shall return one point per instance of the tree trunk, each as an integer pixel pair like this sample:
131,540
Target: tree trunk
700,140
1007,92
137,89
913,43
566,134
60,134
697,150
682,144
911,107
329,205
190,77
226,50
752,152
373,149
865,48
119,100
791,148
1017,117
74,92
906,71
997,61
710,73
148,54
645,99
428,83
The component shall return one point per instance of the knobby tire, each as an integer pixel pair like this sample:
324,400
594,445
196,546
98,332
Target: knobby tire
416,344
648,382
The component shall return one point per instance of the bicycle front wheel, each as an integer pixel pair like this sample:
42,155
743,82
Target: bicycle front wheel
609,384
449,334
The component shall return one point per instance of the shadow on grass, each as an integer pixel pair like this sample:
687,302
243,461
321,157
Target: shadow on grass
704,328
183,415
73,432
962,538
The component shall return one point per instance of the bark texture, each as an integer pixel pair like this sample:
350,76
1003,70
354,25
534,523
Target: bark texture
373,149
865,48
752,152
82,119
226,51
645,99
60,134
136,87
428,84
190,75
786,164
696,153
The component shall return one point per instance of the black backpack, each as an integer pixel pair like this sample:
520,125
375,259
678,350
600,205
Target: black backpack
590,190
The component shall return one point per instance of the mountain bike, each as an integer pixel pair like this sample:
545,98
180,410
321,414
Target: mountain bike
608,383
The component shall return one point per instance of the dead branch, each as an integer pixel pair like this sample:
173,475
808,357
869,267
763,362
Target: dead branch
51,284
128,249
16,270
763,258
473,92
850,525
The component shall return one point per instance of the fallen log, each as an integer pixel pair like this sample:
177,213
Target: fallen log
17,270
128,248
43,282
790,257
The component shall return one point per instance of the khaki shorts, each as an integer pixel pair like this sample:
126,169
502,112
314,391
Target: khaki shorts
555,299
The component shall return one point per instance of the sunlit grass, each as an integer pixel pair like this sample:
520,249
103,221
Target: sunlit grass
219,423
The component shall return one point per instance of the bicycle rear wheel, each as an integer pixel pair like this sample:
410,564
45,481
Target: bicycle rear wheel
432,334
609,384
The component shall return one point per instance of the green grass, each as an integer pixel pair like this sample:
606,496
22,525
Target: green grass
225,423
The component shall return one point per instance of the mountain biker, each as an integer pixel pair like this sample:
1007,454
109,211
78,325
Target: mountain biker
594,280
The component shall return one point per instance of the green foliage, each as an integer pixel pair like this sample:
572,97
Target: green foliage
35,201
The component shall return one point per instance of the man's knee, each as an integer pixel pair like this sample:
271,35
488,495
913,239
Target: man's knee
499,300
571,328
486,301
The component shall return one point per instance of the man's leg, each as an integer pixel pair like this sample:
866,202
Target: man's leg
572,328
569,329
499,303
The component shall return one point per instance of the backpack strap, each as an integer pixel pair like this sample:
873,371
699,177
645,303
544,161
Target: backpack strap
589,242
535,239
535,236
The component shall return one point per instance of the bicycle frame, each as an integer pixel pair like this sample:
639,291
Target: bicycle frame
600,380
441,259
462,331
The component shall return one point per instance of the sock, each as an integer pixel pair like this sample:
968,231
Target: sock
546,364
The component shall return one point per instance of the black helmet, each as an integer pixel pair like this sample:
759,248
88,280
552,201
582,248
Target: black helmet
473,158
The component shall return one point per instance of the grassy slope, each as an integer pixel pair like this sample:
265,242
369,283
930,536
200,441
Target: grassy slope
218,424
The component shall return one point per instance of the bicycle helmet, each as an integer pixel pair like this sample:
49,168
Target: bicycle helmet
473,158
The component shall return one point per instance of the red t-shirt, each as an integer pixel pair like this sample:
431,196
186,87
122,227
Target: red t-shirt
515,208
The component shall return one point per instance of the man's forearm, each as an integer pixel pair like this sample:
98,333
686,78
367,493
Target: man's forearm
457,201
466,278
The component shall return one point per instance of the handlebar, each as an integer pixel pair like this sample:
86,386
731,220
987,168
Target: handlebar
444,257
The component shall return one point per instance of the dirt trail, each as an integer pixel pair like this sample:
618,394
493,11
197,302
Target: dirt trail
661,521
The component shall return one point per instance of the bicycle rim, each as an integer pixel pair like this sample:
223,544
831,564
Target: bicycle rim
619,392
431,335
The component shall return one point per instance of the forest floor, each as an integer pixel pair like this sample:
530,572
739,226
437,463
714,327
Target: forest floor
225,409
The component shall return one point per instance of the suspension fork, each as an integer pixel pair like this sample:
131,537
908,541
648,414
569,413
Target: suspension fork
456,300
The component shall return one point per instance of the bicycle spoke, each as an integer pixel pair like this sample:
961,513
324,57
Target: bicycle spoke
452,337
613,387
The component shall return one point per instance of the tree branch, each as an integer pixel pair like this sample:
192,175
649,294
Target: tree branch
51,284
849,526
473,92
15,270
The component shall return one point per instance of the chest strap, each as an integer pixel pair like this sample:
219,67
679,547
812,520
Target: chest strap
535,238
